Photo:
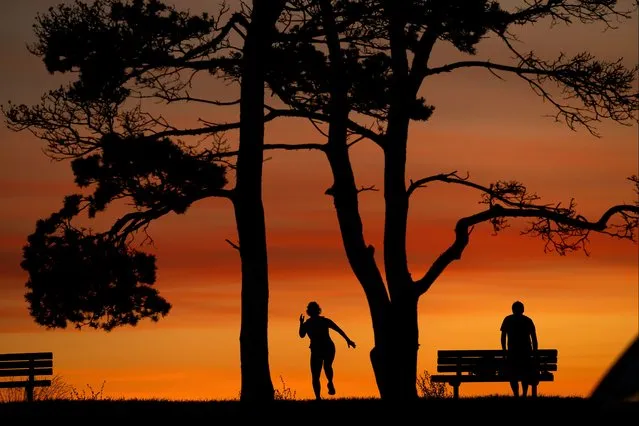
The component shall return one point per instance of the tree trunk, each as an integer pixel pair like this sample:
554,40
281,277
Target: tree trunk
394,357
257,385
395,328
360,256
403,336
400,362
345,198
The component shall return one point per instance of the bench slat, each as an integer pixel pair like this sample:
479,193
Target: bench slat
465,368
487,353
448,378
25,383
26,372
25,364
471,359
488,361
26,356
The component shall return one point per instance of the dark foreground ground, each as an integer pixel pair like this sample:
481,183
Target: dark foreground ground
357,412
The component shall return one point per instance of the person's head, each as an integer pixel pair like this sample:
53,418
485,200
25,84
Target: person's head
313,309
518,308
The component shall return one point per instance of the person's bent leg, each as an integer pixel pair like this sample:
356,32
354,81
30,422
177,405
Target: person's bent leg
316,371
514,385
328,370
528,376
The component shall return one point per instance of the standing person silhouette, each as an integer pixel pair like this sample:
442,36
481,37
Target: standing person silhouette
519,340
322,347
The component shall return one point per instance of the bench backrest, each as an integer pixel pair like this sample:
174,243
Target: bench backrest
487,360
26,364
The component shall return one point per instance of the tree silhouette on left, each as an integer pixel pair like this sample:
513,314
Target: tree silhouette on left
123,54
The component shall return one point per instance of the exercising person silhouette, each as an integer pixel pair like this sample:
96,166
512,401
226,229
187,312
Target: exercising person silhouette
317,327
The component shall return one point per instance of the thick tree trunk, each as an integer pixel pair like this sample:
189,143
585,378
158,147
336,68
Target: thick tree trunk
400,360
395,328
403,339
257,385
345,197
360,256
407,346
394,357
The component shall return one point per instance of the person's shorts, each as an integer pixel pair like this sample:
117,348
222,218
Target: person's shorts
325,352
521,367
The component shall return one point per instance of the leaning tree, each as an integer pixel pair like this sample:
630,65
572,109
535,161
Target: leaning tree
121,55
364,64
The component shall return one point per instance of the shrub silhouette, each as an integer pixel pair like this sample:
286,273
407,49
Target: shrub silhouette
60,389
429,389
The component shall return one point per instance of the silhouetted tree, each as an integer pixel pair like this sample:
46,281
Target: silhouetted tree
358,66
120,54
249,210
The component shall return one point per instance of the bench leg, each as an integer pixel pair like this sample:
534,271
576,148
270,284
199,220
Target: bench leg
28,391
534,390
456,391
29,388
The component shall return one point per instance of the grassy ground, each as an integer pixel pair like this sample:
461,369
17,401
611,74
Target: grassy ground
360,412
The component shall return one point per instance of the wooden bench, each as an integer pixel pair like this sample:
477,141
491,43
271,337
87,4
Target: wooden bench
26,367
481,365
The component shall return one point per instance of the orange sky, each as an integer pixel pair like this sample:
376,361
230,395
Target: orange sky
587,307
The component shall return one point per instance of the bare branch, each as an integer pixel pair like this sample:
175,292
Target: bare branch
443,177
316,124
353,126
189,98
212,127
603,90
510,193
128,224
367,188
566,11
232,244
295,147
484,64
561,228
358,139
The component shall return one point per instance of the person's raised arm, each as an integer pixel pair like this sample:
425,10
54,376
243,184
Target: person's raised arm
335,327
302,329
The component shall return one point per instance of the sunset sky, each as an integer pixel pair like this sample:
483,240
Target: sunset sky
587,307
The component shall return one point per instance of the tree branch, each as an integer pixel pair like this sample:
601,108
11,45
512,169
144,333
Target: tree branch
132,222
603,89
565,11
353,126
560,227
484,64
295,147
232,244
